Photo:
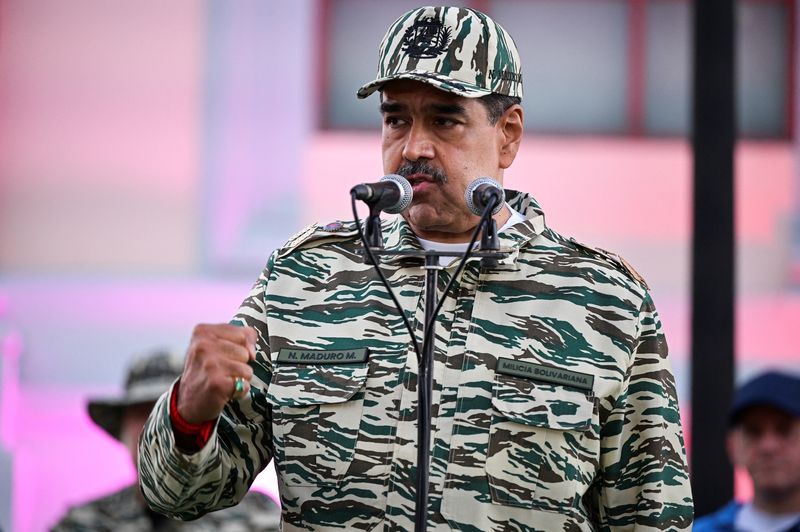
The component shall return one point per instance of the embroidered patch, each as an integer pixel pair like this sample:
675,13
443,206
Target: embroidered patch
538,372
305,356
333,227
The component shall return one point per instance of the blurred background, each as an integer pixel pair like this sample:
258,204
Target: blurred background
153,153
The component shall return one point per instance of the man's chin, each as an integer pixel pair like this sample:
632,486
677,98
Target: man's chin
423,218
774,484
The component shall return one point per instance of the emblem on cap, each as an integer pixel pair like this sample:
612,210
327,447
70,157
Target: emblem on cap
426,39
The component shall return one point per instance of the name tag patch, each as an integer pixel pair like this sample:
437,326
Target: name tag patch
539,372
340,356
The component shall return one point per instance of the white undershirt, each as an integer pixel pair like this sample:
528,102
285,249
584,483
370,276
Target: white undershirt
458,248
749,519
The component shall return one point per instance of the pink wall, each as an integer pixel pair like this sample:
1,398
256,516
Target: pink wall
99,135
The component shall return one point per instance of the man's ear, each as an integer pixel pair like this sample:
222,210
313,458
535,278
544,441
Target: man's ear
510,128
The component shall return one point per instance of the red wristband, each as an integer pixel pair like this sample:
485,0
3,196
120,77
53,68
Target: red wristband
190,437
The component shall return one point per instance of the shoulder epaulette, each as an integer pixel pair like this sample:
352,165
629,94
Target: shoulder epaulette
316,232
616,260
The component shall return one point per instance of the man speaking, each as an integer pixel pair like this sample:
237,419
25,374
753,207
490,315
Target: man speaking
553,403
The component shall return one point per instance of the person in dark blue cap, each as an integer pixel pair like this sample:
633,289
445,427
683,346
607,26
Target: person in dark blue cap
764,439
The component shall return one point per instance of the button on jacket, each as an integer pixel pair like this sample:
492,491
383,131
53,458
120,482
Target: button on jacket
554,407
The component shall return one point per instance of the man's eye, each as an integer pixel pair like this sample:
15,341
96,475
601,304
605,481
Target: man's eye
393,121
445,122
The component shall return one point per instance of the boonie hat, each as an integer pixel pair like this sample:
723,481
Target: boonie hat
776,389
149,376
455,49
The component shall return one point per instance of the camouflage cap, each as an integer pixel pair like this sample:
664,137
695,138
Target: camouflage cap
455,49
149,376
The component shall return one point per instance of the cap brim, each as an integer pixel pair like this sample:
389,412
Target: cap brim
107,416
439,81
778,403
107,413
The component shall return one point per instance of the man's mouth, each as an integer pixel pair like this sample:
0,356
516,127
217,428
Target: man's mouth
421,175
421,182
416,179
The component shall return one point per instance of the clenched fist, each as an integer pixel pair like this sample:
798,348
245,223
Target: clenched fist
218,355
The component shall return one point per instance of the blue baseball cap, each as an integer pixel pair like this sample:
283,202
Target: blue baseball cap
776,389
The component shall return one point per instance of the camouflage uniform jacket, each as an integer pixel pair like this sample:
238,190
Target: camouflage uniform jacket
125,511
554,407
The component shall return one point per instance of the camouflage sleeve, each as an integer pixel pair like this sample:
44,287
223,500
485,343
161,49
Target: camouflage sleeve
645,480
185,486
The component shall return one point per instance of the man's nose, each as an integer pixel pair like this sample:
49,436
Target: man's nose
418,144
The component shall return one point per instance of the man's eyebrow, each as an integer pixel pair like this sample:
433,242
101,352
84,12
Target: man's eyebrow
391,107
436,108
448,108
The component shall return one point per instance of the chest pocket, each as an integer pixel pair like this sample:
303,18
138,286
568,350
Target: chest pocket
541,446
316,413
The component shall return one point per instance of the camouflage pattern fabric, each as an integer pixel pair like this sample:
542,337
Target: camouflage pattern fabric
554,407
455,49
125,511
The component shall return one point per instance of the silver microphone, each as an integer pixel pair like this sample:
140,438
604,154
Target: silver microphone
392,194
480,192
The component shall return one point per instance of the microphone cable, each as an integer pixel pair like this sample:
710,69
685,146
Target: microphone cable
487,213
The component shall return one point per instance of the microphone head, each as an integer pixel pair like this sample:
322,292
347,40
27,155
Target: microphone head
480,191
406,193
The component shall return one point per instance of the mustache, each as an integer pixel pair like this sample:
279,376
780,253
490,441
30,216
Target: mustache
422,167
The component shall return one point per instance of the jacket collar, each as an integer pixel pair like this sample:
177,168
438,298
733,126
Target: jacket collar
398,235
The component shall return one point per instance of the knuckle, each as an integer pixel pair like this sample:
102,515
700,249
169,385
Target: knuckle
244,336
201,329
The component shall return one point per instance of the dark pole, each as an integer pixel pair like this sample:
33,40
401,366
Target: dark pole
712,252
425,394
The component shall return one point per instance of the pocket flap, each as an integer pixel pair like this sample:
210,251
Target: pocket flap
542,405
304,385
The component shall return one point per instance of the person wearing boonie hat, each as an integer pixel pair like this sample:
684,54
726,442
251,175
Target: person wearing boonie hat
122,417
148,377
555,407
764,440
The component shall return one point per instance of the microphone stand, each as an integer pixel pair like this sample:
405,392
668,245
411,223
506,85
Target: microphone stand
490,255
372,230
489,242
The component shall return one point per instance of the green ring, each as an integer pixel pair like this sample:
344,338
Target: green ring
239,385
